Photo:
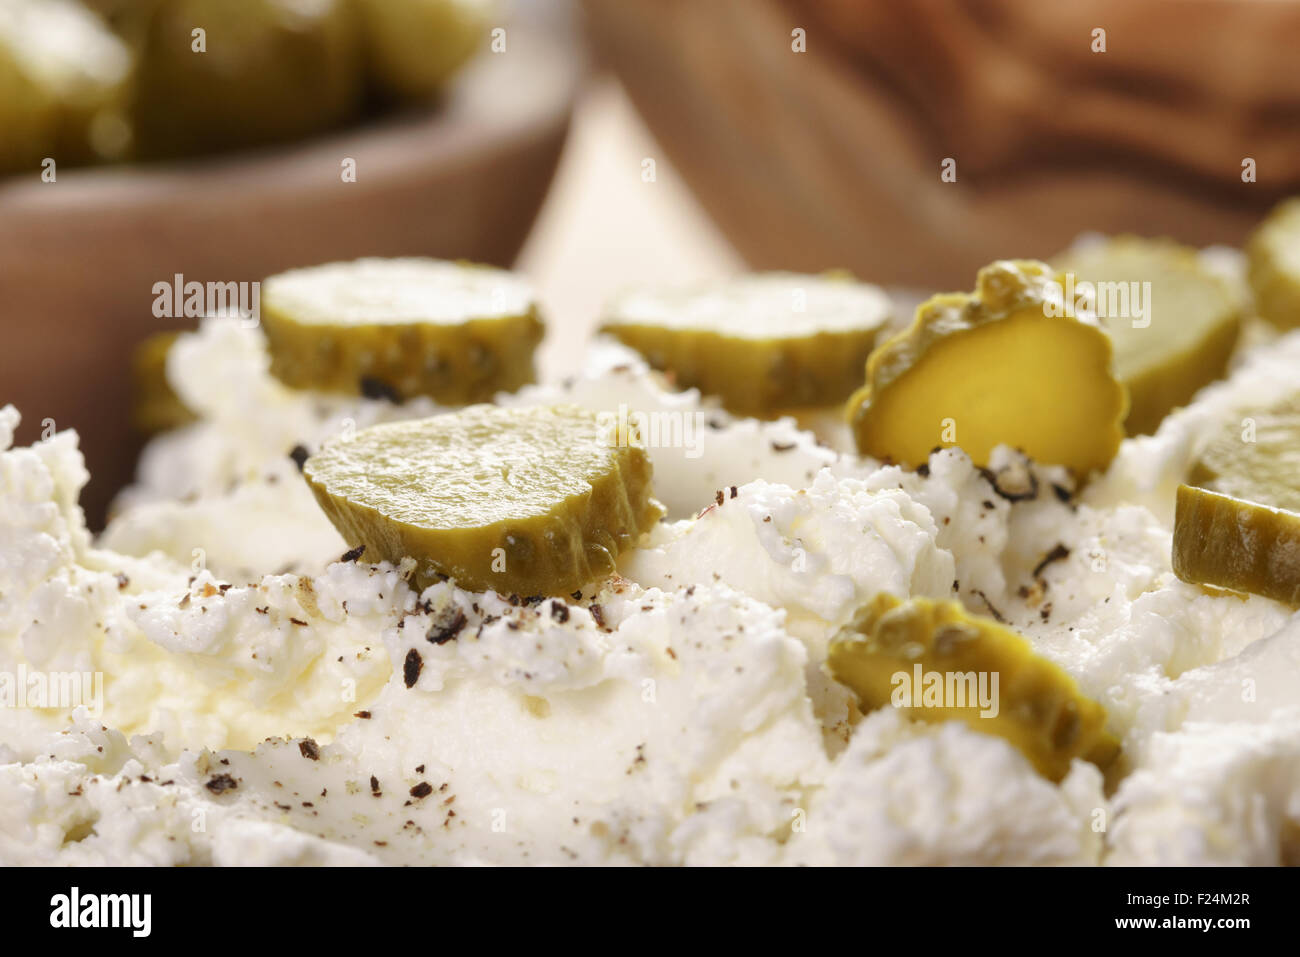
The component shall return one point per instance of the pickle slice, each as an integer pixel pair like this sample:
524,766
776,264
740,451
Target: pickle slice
269,71
1273,254
1255,457
28,111
155,405
456,332
414,46
63,85
530,501
1232,543
1035,705
763,343
1187,332
1001,366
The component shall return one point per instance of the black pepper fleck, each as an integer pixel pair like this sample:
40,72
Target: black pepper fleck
220,783
1055,555
441,632
411,668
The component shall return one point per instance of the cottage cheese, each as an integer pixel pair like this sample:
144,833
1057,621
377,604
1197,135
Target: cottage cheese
264,702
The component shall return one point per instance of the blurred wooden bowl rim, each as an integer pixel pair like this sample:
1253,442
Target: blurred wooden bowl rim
832,157
79,257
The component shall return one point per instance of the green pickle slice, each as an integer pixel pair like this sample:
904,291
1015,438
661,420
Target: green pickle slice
414,46
155,405
1000,366
270,71
1273,254
455,332
529,501
1232,543
764,344
1039,708
64,81
1186,335
1237,521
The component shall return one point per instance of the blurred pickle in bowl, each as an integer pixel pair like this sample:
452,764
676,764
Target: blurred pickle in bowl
85,81
413,46
261,71
64,83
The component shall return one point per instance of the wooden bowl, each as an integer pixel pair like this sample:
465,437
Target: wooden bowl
79,256
833,156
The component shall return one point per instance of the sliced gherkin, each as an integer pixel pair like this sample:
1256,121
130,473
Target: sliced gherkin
414,46
928,657
530,501
64,79
1187,329
1240,545
155,405
1273,254
456,332
28,113
1005,365
765,344
1255,456
218,75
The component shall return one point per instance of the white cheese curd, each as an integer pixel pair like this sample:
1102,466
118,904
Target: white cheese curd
271,522
1217,755
592,743
817,554
911,793
208,663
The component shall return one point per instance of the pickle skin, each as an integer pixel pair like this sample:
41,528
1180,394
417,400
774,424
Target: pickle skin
996,368
1159,382
529,501
754,380
1273,257
764,376
1041,710
1231,543
453,363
